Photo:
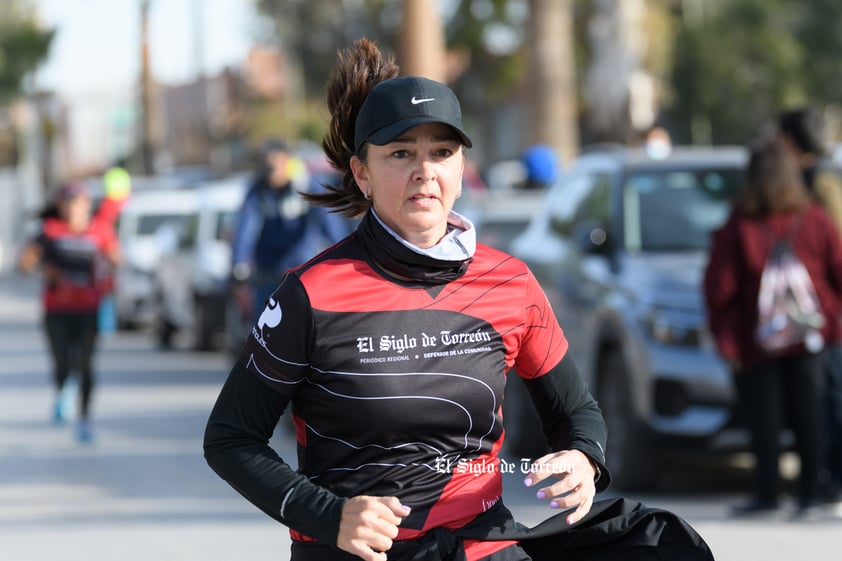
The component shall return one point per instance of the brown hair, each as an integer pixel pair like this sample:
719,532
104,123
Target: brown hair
357,70
773,182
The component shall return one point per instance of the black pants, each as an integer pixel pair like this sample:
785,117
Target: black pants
833,368
72,338
779,393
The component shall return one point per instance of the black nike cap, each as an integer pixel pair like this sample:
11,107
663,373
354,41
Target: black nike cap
394,106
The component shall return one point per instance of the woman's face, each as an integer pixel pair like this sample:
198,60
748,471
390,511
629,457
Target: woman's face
413,181
76,211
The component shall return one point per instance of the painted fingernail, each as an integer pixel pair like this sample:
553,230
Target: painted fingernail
553,504
527,481
571,520
406,508
540,494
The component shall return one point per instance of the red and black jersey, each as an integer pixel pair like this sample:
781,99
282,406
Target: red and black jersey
396,389
77,260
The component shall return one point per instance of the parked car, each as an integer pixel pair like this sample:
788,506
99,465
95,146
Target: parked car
499,215
620,246
152,223
192,281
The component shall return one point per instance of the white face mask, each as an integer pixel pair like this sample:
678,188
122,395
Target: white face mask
658,148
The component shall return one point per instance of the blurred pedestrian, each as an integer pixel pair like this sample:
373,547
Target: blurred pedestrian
117,184
277,228
657,142
802,132
541,165
76,251
773,205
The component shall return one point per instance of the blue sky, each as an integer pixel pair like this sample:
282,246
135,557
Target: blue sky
96,48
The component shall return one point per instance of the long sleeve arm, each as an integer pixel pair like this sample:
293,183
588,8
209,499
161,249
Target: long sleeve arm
248,227
569,414
720,289
236,446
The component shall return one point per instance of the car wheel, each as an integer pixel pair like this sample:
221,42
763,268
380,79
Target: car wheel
164,333
164,329
629,454
203,326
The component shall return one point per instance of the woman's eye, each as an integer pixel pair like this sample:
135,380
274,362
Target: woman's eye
444,152
400,154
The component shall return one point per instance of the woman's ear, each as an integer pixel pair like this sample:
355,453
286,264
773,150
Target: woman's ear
360,171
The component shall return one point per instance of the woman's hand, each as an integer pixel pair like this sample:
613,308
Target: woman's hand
368,526
244,299
572,484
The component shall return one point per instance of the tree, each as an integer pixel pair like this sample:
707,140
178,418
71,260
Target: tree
735,67
553,119
23,46
816,29
624,51
422,48
310,32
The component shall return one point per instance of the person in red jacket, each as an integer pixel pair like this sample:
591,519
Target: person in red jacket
774,203
76,251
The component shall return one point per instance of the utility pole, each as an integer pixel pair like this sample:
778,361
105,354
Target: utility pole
146,150
422,45
198,7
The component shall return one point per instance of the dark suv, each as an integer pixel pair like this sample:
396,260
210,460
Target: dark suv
620,246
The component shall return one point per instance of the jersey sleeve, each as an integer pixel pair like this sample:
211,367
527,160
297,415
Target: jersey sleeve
236,446
277,350
570,417
106,237
543,344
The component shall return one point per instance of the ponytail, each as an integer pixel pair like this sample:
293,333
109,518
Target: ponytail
357,71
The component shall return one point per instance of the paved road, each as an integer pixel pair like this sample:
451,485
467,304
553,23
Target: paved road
143,491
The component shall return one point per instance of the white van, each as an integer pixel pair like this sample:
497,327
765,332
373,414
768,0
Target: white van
153,222
193,281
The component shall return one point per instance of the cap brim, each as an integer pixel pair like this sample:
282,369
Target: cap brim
390,132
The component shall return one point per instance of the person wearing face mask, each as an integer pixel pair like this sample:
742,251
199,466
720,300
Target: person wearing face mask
390,351
76,251
801,131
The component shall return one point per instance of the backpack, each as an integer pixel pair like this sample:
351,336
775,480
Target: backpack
788,310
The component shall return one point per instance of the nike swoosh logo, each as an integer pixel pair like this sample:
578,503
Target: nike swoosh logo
417,101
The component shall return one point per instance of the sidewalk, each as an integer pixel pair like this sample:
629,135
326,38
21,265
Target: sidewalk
142,491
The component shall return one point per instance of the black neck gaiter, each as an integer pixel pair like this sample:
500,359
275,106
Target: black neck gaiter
399,260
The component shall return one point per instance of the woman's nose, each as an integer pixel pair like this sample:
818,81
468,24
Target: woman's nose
424,171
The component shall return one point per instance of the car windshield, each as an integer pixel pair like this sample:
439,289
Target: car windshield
671,210
226,222
149,224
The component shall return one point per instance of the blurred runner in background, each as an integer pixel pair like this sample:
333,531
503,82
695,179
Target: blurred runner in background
76,252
